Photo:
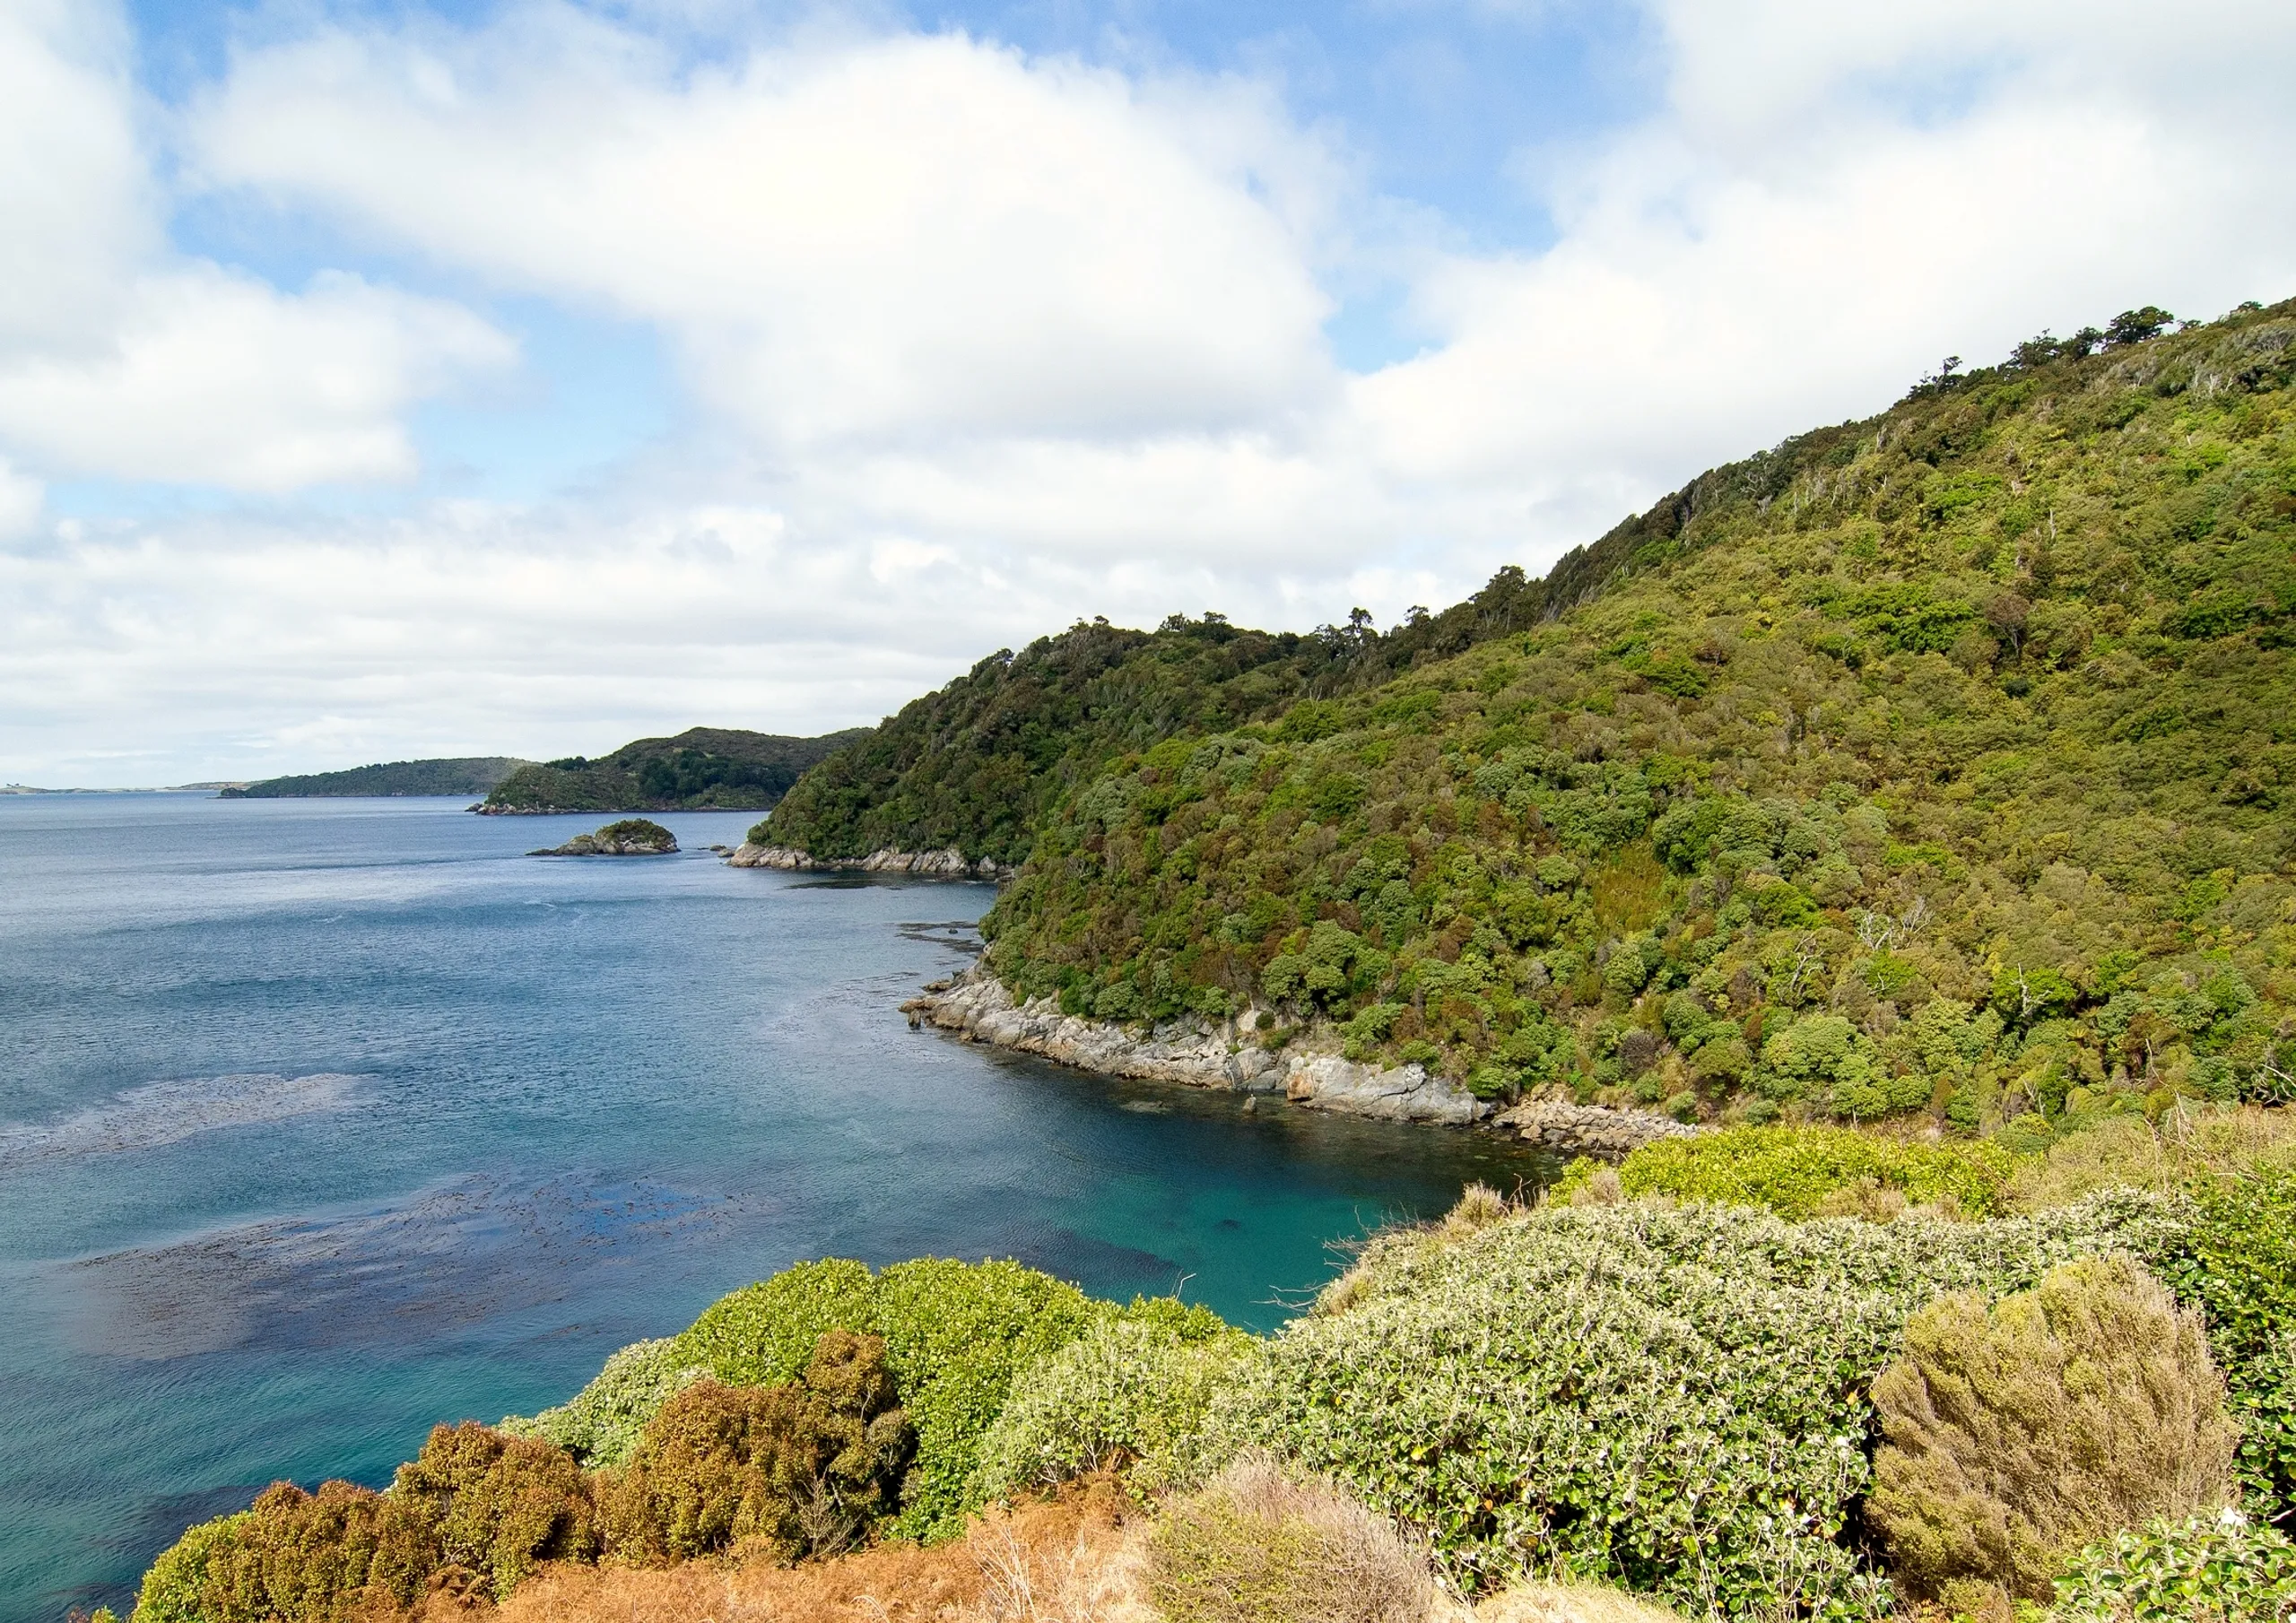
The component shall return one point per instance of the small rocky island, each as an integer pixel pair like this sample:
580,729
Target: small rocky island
631,837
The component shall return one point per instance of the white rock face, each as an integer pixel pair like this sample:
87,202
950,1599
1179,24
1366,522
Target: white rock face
926,865
1559,1124
1192,1053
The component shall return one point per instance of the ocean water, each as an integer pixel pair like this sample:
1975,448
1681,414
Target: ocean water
324,1121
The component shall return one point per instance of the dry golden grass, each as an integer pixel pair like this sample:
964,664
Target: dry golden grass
1261,1544
2084,1406
2128,1151
1068,1560
1572,1603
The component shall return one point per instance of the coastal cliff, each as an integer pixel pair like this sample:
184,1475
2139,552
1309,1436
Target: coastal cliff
1196,1052
949,864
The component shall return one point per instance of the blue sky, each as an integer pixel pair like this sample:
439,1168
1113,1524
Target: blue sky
391,379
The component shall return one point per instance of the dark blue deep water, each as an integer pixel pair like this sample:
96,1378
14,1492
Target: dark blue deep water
322,1121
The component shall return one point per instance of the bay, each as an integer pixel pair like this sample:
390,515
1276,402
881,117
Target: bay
324,1121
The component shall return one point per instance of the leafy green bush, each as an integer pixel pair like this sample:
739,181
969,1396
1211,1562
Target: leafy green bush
600,1424
805,1467
1131,1391
2016,1436
1672,1399
955,1334
2209,1569
2236,1262
1791,1170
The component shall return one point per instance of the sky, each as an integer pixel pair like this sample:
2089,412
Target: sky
383,379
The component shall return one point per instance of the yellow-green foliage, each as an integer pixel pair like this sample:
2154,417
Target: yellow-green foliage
1938,763
1263,1545
600,1424
955,1334
1799,1172
2018,1435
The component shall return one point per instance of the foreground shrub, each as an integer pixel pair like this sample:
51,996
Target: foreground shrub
1673,1400
956,1335
2016,1436
1796,1171
2236,1261
1131,1393
496,1504
1570,1603
800,1468
600,1425
2207,1569
1261,1545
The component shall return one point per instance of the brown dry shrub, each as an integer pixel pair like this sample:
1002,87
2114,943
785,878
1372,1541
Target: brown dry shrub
498,1504
309,1557
775,1471
2084,1406
1260,1544
1066,1560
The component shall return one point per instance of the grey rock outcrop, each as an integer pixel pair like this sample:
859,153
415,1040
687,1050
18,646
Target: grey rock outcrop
1574,1129
1193,1053
949,864
632,836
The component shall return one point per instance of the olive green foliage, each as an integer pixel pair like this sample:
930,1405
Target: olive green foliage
475,1500
976,765
2207,1570
462,775
1940,763
956,1335
600,1424
1132,1391
803,1467
703,767
2236,1262
1800,1172
2018,1435
1674,1399
1260,1544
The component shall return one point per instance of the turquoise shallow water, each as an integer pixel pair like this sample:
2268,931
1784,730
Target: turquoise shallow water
324,1121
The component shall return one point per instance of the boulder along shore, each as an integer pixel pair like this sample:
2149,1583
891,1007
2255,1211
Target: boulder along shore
949,864
975,1006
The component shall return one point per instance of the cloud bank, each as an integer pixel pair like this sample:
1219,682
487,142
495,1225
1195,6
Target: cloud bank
971,342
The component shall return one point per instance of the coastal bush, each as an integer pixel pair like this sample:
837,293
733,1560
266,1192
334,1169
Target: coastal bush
955,1334
1794,1170
1671,1399
496,1504
2204,1570
1132,1391
804,1467
600,1425
2017,1435
1261,1544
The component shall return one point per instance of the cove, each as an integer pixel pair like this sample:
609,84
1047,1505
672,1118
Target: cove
323,1121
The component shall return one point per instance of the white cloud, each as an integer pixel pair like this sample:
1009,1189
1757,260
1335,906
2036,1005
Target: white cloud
982,343
872,239
120,358
20,501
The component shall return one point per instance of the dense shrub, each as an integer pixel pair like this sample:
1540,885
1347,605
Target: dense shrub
2207,1569
2016,1436
1794,1171
955,1334
2236,1261
801,1467
1671,1399
1262,1545
475,1500
1131,1391
600,1425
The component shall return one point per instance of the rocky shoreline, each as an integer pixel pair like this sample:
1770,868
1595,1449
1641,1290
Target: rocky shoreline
977,1007
949,864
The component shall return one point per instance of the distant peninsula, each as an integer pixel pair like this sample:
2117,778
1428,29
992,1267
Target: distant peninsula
702,769
458,775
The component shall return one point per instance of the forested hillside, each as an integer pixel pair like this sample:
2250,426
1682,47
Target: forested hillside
458,775
702,769
1940,761
976,765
